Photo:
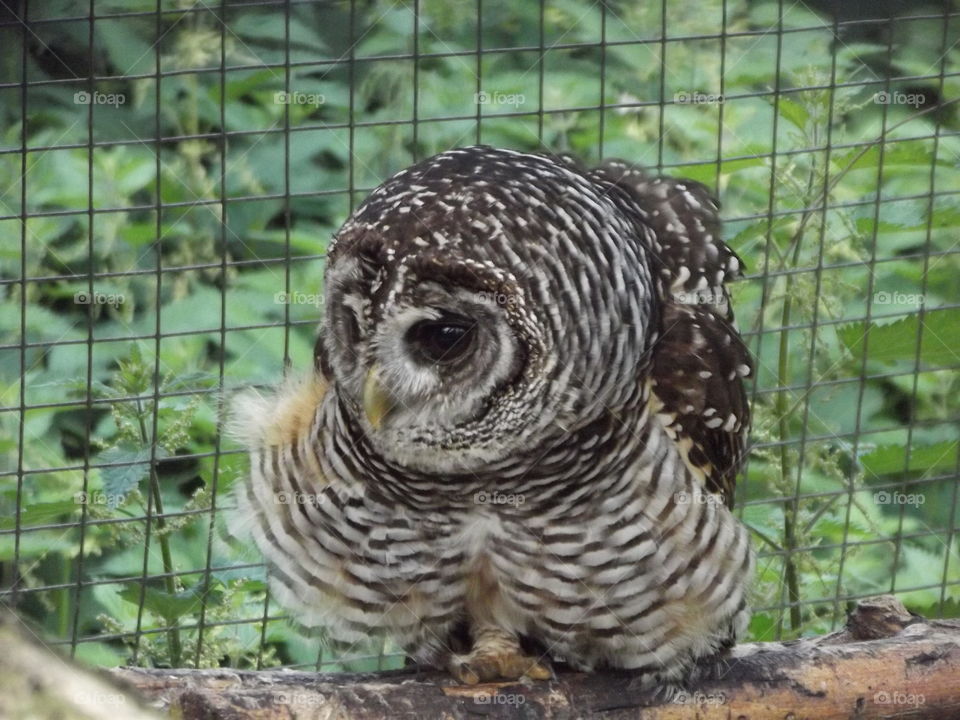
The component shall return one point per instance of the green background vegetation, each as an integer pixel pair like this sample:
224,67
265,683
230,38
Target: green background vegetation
856,391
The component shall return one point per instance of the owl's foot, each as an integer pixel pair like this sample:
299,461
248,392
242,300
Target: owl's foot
496,655
487,667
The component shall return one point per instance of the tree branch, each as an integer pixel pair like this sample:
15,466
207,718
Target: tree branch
886,663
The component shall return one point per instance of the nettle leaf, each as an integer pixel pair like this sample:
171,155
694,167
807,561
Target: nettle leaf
191,380
248,585
173,606
763,626
41,513
901,154
949,608
892,459
118,480
897,341
707,172
794,112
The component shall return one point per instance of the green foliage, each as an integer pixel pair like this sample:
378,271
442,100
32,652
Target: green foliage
933,340
852,415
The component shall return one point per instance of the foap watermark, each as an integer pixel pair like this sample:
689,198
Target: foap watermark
496,298
499,98
99,698
98,98
894,697
298,98
85,297
498,498
697,98
297,498
499,698
895,97
699,698
700,297
684,498
898,498
298,298
300,699
99,498
898,298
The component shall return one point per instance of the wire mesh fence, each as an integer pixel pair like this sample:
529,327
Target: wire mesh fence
173,170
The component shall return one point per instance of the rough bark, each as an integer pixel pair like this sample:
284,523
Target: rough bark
885,664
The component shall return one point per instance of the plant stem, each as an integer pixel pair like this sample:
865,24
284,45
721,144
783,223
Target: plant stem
783,378
173,635
63,603
789,507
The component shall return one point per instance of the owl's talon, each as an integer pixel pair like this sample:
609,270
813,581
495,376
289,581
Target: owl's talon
464,673
487,666
538,672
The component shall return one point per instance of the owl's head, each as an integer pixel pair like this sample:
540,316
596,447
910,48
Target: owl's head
481,303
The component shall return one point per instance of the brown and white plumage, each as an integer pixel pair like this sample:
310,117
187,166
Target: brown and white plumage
523,428
699,359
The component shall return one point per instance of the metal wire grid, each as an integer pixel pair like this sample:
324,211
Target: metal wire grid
765,276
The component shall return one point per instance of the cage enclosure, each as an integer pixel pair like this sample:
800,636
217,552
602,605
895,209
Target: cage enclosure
173,172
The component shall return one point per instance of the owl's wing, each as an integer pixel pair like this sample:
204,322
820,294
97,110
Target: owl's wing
698,361
697,369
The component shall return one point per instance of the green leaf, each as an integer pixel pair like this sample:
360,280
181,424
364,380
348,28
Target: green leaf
901,154
96,654
249,585
121,479
707,172
169,606
32,514
794,112
890,459
763,626
950,608
897,341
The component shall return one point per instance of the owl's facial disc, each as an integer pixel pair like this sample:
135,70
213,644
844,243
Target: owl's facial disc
432,366
434,343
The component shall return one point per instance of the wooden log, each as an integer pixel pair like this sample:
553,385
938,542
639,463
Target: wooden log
886,663
38,684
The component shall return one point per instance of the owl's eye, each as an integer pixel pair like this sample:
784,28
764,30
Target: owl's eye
441,341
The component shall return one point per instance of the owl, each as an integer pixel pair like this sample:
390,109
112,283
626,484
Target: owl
518,444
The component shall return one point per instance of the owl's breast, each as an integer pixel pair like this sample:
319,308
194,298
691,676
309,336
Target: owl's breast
650,575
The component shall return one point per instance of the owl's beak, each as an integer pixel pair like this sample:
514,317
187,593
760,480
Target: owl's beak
376,400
